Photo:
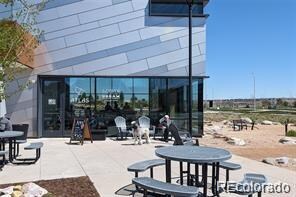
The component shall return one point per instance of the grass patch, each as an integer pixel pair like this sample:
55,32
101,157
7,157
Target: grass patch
257,116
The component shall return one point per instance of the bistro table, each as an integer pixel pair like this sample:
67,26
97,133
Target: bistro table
11,136
195,155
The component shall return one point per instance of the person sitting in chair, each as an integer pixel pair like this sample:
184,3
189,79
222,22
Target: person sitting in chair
5,124
138,132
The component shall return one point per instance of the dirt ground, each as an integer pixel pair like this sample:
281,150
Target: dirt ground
81,186
262,142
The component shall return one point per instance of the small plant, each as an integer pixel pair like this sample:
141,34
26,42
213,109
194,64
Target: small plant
291,133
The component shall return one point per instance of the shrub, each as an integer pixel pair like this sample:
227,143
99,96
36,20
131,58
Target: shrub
291,133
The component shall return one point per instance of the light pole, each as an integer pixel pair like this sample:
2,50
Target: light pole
254,89
190,3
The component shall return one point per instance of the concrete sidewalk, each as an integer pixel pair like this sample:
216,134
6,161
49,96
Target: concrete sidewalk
106,162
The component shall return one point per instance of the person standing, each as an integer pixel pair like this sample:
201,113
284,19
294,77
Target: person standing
165,122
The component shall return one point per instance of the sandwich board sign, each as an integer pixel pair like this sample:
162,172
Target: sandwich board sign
80,131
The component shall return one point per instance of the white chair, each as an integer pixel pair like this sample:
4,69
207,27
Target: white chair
144,122
121,127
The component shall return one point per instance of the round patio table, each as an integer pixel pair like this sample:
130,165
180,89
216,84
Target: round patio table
11,137
195,155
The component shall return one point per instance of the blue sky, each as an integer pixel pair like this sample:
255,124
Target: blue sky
251,36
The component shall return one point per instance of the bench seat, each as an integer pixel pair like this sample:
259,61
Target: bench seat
34,146
249,178
3,152
230,166
145,165
150,184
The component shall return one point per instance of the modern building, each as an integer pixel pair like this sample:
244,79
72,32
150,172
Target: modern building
103,58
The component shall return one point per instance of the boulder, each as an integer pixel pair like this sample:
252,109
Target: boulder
279,161
218,135
7,190
236,141
17,194
288,140
282,160
17,188
226,122
247,120
266,122
269,160
31,189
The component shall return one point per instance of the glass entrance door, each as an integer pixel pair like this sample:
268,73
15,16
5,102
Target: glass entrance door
53,107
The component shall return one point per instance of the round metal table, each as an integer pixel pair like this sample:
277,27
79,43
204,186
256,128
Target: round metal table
11,136
197,155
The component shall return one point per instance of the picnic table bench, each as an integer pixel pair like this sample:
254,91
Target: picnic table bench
241,124
147,183
145,165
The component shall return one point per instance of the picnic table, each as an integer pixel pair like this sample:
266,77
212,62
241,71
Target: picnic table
11,137
195,155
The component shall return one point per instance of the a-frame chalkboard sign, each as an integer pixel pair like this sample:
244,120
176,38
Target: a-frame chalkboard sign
80,131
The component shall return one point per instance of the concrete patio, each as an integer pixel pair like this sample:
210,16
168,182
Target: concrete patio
105,162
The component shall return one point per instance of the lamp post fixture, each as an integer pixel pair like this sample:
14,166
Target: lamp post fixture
190,4
254,91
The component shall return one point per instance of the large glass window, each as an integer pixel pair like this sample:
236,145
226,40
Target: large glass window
158,98
141,96
178,101
101,99
80,99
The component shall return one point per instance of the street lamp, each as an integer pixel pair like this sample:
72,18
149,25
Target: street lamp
254,93
190,4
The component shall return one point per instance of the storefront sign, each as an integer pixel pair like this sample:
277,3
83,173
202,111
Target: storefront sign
111,94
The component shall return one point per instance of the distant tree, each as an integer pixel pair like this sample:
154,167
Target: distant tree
294,104
285,103
266,104
279,102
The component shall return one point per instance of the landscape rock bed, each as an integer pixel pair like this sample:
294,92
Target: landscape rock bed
68,187
265,141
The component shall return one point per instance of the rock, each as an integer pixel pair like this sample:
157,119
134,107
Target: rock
7,190
17,188
279,161
282,160
31,189
247,120
218,135
266,122
276,123
226,122
236,141
17,194
5,195
213,129
216,129
269,160
288,140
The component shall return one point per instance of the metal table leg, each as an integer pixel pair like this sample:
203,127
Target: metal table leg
205,179
168,171
10,150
